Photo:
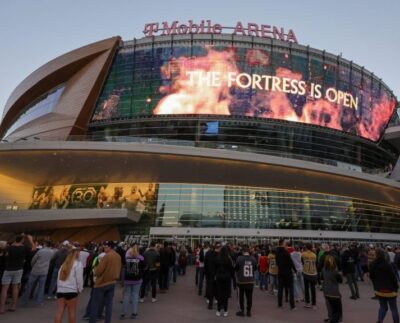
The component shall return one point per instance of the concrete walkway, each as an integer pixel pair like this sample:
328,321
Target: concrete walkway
182,305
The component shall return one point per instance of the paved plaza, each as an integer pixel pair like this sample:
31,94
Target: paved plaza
182,304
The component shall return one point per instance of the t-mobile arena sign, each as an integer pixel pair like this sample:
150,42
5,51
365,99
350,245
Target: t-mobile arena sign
207,27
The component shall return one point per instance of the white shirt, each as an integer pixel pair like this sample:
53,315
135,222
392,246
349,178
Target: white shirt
391,256
83,256
74,282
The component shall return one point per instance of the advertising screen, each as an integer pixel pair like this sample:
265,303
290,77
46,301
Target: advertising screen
137,198
218,80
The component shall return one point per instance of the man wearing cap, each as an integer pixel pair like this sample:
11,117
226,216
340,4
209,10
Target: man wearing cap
107,274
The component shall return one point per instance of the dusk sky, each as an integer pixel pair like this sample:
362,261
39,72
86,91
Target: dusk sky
35,32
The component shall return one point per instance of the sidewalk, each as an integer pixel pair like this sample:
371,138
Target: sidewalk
182,305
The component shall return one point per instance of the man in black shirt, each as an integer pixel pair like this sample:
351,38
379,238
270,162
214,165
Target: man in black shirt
209,272
286,268
245,268
15,258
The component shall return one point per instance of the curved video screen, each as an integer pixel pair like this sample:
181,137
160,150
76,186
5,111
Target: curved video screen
218,80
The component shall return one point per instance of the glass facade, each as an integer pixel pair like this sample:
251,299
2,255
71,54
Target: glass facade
194,205
225,206
258,136
41,106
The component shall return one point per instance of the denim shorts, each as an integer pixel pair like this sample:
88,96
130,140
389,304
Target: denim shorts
12,277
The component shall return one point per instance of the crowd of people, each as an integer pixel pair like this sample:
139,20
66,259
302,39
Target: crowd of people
297,272
32,271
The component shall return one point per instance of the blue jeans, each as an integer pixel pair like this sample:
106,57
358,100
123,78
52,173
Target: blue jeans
383,302
201,279
174,273
257,277
131,293
263,278
89,305
40,280
53,282
102,295
298,286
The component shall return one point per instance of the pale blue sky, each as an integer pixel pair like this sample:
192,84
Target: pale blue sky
32,32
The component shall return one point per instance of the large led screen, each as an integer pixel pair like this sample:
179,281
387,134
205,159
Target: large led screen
137,198
217,80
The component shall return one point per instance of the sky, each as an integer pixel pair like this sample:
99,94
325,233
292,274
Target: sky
33,32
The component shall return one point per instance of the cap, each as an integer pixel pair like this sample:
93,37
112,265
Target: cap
66,243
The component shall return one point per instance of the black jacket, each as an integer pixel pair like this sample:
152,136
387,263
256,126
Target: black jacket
348,262
210,263
167,257
284,262
383,278
223,268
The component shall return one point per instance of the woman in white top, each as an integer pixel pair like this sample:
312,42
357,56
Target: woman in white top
69,285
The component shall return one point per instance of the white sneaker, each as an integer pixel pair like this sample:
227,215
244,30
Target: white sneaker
207,301
141,300
153,300
218,313
225,314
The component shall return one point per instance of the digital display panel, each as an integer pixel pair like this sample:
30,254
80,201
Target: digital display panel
137,198
218,80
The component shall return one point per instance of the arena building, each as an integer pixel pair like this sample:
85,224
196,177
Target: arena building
189,135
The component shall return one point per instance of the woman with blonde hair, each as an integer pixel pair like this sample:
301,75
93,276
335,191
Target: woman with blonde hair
330,286
134,270
69,285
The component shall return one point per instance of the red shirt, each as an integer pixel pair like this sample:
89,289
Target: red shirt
263,264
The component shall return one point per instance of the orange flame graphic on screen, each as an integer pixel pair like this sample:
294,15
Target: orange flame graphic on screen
256,57
197,98
372,125
184,97
275,105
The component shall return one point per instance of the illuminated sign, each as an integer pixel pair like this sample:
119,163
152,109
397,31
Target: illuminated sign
225,80
270,83
207,27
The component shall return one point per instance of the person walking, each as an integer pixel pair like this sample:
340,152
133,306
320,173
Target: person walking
272,272
165,264
223,274
202,255
69,285
40,266
107,273
310,275
209,271
263,271
385,285
298,282
58,259
152,265
330,287
245,268
286,269
182,260
349,271
134,269
15,256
